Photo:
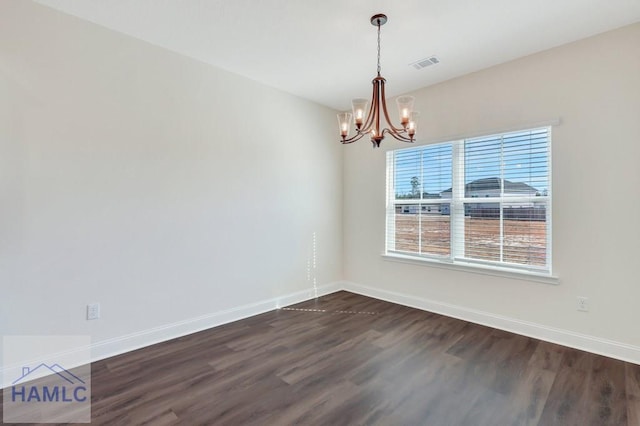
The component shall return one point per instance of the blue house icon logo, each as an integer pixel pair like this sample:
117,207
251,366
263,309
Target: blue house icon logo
67,388
47,379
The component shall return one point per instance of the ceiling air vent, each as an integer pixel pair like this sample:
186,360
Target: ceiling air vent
423,63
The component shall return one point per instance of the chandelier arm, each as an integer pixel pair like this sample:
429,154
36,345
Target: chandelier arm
399,137
386,115
367,125
353,139
373,119
377,109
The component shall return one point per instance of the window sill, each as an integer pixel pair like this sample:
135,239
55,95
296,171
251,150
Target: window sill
475,269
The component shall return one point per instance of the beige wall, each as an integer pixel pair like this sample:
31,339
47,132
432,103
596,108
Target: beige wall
161,187
593,86
129,177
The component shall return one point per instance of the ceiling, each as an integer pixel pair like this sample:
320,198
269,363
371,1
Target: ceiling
326,50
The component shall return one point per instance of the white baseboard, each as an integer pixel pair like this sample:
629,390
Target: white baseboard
130,342
111,347
609,348
123,344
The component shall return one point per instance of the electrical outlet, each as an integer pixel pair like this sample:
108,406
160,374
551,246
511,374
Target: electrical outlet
93,311
583,304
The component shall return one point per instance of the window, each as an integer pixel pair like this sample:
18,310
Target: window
476,201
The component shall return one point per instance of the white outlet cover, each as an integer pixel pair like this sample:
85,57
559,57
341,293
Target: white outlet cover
93,311
583,304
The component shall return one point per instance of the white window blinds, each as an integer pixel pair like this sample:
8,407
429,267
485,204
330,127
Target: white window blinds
482,200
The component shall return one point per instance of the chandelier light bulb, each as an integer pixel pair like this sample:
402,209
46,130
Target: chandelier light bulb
344,123
412,125
359,107
405,108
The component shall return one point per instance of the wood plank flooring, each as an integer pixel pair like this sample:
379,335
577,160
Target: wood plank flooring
346,359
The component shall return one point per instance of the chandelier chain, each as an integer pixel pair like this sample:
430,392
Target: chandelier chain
379,49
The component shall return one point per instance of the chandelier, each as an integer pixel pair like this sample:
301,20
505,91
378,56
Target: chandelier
369,124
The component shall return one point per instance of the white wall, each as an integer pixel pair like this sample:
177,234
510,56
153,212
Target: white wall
161,187
129,177
593,86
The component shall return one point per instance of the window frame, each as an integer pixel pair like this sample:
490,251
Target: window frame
456,259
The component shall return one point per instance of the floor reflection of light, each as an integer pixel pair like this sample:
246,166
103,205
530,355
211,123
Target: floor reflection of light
312,266
330,312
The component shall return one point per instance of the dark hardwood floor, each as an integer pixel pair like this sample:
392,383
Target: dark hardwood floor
346,359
